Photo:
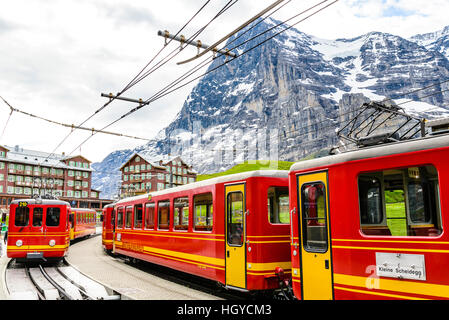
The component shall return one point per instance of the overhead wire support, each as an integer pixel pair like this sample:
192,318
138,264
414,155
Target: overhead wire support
197,43
112,97
273,5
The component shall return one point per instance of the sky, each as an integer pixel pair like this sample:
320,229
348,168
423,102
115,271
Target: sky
58,56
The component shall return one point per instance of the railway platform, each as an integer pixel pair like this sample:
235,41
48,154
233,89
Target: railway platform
3,264
89,258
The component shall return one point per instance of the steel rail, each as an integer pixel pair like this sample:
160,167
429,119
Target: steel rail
55,284
40,291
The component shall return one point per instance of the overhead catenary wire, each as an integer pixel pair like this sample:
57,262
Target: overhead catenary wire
157,97
164,92
248,50
72,126
245,52
7,120
270,7
176,51
126,87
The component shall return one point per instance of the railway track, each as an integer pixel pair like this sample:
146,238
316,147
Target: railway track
53,282
185,279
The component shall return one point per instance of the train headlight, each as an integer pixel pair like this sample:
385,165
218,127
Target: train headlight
52,243
19,243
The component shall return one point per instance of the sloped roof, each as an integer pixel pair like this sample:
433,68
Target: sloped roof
35,158
142,156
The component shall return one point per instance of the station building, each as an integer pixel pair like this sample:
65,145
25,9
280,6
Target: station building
26,173
142,175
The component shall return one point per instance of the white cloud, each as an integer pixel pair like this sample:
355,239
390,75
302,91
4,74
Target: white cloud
58,56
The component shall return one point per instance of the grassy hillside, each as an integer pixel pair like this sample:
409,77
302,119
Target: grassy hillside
249,166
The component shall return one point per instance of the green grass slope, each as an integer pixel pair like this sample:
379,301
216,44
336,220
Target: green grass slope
249,166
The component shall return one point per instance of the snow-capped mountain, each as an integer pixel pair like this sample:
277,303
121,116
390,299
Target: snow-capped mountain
283,100
435,41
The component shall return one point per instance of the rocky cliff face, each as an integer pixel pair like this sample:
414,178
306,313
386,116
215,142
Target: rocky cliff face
284,99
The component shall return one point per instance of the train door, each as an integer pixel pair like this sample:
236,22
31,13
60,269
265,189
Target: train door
316,258
72,224
112,219
235,205
37,227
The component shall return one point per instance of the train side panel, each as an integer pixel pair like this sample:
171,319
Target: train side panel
387,222
228,234
192,251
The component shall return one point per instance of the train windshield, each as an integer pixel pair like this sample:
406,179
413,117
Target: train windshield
53,216
400,202
38,214
22,216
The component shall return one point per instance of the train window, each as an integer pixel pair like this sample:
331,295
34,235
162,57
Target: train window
163,214
120,218
314,226
22,216
234,225
370,200
181,214
149,215
278,205
128,216
203,212
53,216
113,218
138,213
38,213
400,202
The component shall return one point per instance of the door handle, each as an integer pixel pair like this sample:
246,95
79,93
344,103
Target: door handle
227,253
326,264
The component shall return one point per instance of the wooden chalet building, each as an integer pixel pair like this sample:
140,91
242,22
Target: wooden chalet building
142,175
27,173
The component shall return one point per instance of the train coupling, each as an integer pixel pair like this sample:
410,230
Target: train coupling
284,284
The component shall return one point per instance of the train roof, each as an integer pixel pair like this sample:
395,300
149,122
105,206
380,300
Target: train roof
425,143
221,179
41,201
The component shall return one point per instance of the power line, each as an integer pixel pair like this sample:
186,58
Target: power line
71,126
7,121
166,93
176,51
126,87
270,7
248,50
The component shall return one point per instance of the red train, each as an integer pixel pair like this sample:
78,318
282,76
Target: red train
38,229
370,224
82,222
232,229
41,229
107,230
